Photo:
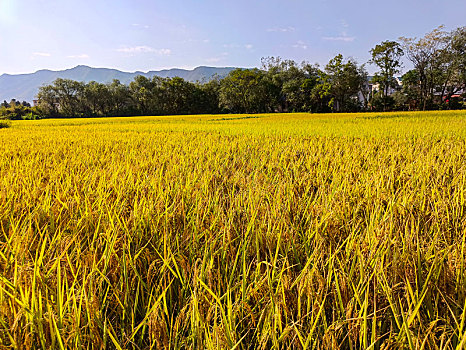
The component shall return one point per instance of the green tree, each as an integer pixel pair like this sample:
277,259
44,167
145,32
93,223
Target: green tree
321,94
454,63
179,96
426,55
69,94
208,99
142,93
346,80
121,102
411,88
96,99
48,100
289,84
17,110
400,100
387,57
244,91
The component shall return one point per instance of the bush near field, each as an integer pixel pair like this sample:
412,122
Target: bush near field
15,110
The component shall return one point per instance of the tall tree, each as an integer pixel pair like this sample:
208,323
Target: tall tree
346,80
387,57
458,48
120,102
290,84
179,96
69,93
48,100
424,55
208,100
142,93
244,91
411,88
96,99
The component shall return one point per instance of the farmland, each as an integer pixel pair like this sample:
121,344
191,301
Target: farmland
234,231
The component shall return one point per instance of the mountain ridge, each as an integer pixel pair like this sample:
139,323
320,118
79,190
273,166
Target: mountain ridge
26,86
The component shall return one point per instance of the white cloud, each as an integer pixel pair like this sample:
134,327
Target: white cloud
41,54
217,59
282,29
144,49
343,34
344,38
300,45
164,52
214,59
230,46
237,46
82,56
144,26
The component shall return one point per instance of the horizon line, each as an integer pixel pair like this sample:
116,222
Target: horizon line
123,71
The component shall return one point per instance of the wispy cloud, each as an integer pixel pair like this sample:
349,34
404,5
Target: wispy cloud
143,26
282,29
144,49
300,45
342,37
41,54
237,46
217,59
230,46
82,56
214,59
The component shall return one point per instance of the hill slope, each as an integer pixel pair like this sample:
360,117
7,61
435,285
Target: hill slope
25,86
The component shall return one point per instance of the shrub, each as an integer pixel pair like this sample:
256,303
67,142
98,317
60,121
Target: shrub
31,116
4,124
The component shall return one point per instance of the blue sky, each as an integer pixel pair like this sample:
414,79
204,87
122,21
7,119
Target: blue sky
148,35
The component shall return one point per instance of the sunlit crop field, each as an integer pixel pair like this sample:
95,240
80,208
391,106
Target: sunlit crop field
234,231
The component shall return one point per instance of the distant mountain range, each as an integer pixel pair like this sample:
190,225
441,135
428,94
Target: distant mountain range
25,86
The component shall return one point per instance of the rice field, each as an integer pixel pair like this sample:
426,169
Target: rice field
283,231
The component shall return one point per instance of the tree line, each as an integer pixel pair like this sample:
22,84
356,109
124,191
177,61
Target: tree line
437,80
15,110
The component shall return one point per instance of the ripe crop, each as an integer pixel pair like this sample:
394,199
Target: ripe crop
239,231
